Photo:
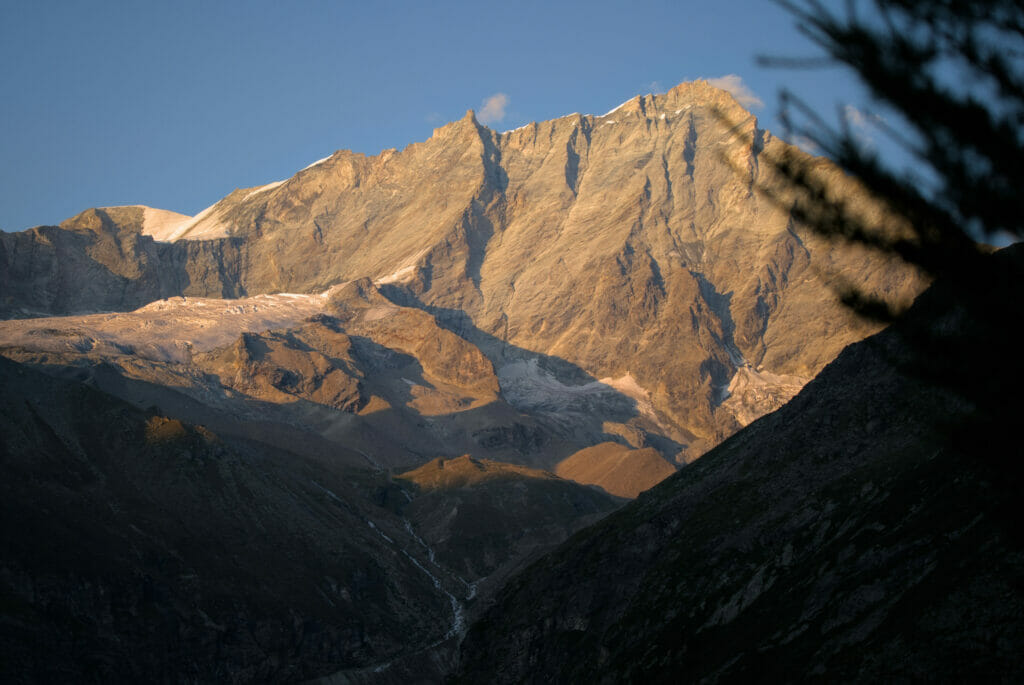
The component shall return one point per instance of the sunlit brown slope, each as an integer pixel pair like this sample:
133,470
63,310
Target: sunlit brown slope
630,244
616,469
631,249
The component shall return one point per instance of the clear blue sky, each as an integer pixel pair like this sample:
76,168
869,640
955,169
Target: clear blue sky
175,104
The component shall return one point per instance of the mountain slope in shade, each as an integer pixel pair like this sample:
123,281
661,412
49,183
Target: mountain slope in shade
633,247
137,547
461,509
868,530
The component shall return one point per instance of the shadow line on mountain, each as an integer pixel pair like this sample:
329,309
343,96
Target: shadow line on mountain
391,438
616,407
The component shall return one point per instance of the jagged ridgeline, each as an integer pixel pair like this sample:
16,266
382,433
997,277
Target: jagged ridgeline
633,246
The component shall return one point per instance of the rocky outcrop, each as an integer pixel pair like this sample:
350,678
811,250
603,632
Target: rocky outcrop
868,530
278,367
348,371
99,261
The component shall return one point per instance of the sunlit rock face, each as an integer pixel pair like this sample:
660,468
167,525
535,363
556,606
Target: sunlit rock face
636,244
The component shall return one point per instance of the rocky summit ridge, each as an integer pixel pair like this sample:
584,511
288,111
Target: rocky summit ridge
632,247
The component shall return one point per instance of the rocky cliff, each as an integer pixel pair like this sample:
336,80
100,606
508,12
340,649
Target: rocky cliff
634,244
100,260
634,248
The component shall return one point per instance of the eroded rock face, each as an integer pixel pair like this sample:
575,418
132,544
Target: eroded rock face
867,530
99,261
634,243
631,245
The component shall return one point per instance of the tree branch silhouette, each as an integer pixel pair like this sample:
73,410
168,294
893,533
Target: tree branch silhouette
954,73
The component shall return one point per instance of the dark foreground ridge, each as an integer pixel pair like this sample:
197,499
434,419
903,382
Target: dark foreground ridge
865,531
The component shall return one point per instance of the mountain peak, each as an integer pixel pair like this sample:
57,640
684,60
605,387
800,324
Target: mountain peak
159,224
467,122
702,92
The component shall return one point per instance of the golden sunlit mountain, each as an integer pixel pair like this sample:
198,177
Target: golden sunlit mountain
441,361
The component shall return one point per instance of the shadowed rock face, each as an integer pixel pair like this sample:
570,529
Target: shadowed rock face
867,530
99,261
633,246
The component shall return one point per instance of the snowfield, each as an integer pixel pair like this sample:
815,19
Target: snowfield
198,324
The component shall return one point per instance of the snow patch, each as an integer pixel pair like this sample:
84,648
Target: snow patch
396,276
319,161
206,225
382,533
403,272
160,223
619,106
752,394
212,229
628,386
200,324
263,189
524,384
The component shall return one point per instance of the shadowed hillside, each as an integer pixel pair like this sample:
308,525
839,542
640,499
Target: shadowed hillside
866,531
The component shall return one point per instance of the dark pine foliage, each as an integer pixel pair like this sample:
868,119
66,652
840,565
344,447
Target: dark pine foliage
953,72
